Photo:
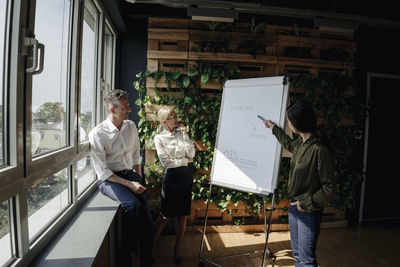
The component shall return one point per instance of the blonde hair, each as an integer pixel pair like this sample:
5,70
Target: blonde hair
162,115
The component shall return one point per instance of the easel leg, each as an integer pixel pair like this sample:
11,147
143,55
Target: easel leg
205,223
267,231
267,252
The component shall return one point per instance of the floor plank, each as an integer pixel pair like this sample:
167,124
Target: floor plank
344,247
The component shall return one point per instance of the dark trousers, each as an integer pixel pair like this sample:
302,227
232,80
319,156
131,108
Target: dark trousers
137,220
304,231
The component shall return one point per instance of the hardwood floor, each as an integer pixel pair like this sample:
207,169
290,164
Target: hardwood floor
345,247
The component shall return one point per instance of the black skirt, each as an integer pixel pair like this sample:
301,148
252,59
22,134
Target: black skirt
176,191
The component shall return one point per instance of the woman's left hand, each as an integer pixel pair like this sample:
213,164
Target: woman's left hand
183,128
297,204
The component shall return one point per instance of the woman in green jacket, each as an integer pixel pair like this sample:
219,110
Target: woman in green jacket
311,180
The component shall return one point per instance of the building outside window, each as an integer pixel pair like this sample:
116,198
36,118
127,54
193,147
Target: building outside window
5,238
49,88
46,170
47,197
89,70
84,174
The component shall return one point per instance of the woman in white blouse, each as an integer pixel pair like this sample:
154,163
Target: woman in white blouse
175,151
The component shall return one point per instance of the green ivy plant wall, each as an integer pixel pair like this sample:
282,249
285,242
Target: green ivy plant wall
342,118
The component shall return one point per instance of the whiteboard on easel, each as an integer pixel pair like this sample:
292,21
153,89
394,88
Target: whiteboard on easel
246,154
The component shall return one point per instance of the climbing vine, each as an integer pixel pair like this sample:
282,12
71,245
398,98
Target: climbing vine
341,116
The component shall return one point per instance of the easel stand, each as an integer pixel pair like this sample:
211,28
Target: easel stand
266,252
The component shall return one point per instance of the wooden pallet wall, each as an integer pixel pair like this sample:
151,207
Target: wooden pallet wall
175,43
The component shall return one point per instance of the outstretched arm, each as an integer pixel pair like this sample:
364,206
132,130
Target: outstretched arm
286,141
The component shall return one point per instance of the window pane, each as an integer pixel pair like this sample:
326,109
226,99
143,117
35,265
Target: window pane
108,57
84,176
5,239
47,198
88,83
108,63
49,89
3,16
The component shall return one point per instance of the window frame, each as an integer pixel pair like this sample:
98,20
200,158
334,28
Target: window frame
92,6
36,165
104,90
23,169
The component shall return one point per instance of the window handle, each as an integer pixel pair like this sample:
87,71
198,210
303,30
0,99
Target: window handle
40,47
30,41
36,46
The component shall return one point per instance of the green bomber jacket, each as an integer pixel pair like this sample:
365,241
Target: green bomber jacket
311,178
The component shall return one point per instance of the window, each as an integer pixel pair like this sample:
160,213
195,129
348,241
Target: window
3,20
108,66
45,113
84,175
89,69
47,197
49,89
5,239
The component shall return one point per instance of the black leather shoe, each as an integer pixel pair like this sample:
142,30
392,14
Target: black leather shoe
178,261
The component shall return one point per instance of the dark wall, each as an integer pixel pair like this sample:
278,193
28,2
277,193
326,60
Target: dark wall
377,52
131,58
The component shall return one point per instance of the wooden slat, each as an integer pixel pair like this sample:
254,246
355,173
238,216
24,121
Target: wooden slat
168,23
167,54
286,40
232,57
168,34
152,65
151,91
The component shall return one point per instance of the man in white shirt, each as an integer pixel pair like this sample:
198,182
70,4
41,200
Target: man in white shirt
115,154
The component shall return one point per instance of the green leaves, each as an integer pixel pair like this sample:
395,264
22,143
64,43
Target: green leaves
188,100
257,28
327,94
186,81
201,113
205,77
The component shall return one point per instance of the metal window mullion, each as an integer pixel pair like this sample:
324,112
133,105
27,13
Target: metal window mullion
21,10
113,31
77,18
98,67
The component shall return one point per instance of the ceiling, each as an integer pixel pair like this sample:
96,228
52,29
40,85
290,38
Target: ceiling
302,12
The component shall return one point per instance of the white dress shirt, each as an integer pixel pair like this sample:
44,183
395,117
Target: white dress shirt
112,149
173,148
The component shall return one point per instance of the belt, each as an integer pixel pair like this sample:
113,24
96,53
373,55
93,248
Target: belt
123,171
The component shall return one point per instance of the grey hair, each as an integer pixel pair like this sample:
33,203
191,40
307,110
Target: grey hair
113,98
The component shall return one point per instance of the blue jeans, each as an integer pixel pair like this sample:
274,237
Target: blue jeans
304,231
136,222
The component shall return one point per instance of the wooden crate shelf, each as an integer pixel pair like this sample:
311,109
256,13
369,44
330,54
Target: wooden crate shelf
167,65
279,215
199,208
176,44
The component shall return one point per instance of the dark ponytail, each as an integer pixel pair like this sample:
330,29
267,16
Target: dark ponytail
320,133
303,118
